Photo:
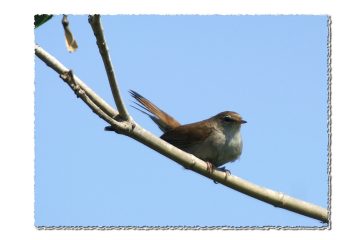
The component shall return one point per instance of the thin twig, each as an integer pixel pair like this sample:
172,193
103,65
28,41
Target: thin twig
191,162
95,23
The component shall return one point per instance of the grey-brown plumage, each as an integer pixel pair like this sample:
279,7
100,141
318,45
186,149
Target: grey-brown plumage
216,140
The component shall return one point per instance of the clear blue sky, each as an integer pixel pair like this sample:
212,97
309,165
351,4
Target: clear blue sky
270,69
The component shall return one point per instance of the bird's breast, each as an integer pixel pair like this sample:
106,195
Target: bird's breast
231,148
219,148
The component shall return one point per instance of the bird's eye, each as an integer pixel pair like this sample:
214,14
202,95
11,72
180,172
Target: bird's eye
227,118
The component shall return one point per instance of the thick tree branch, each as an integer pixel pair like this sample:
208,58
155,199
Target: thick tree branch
95,23
131,129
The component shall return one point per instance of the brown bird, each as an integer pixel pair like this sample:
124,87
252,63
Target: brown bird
216,140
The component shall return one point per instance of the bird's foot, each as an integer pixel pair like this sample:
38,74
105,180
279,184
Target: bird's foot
223,169
209,167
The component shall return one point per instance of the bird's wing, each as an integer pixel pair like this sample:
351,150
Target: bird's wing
187,135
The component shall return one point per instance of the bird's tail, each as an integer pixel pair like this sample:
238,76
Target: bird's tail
164,121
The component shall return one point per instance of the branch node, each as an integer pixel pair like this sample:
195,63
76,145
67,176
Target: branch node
68,77
280,202
119,118
227,174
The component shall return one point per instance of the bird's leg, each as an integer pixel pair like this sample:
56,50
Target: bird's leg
209,166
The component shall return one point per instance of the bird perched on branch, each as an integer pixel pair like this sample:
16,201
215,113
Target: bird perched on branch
216,140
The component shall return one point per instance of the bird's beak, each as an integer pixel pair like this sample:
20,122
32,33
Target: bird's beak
243,121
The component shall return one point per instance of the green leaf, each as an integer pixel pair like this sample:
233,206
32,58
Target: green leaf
41,19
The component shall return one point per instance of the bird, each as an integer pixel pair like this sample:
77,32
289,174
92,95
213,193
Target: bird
216,140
